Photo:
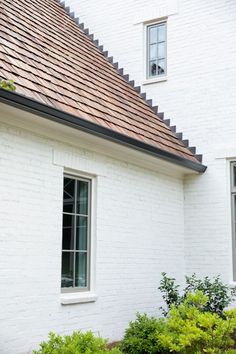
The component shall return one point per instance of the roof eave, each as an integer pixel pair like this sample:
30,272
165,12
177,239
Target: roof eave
59,116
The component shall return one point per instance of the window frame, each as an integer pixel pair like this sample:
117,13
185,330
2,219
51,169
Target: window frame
74,289
233,218
160,77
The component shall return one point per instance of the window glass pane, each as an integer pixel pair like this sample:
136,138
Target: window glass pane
234,175
67,269
161,33
152,35
161,50
153,51
234,207
161,67
81,233
68,232
153,68
82,197
81,269
69,195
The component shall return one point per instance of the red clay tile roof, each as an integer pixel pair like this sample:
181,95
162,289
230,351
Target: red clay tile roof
54,62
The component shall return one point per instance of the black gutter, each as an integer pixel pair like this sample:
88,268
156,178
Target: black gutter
55,115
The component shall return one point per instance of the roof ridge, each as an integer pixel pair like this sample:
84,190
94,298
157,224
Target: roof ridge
126,77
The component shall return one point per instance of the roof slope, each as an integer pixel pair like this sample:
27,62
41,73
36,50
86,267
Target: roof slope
55,63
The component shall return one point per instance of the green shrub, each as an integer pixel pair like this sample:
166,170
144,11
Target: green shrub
219,295
140,337
170,293
188,330
77,343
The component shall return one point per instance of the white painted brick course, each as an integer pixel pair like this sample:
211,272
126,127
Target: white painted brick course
139,234
199,97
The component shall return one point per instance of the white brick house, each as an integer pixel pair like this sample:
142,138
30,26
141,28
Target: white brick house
198,95
149,212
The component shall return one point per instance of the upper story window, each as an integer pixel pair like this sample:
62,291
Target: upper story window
156,50
76,234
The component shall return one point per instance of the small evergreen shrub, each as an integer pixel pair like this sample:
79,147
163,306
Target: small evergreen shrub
140,337
219,295
77,343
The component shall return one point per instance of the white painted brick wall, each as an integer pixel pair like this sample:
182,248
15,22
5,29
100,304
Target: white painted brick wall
140,233
199,97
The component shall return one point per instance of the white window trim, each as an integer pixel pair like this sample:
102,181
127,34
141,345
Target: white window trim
161,78
155,80
75,297
78,298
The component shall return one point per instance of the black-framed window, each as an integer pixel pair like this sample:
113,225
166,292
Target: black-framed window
75,273
156,50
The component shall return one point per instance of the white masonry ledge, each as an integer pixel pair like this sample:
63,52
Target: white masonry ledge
78,298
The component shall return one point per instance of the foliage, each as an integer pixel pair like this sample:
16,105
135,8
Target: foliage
189,330
140,337
77,343
170,293
7,85
219,295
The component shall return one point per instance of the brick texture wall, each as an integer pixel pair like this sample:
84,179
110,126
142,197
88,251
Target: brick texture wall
139,234
199,97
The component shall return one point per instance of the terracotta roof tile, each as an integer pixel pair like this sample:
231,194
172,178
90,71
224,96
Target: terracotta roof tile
52,61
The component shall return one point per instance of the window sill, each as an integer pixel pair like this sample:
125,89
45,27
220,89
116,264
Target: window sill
77,298
155,80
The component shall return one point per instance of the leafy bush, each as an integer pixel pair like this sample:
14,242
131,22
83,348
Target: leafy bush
219,295
170,293
7,85
77,343
187,330
140,337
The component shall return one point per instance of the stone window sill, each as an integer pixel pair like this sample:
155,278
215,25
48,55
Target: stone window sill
77,298
155,80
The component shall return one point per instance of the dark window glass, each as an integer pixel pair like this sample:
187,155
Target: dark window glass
68,232
69,195
81,233
153,68
75,233
234,175
81,269
234,207
67,269
82,197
